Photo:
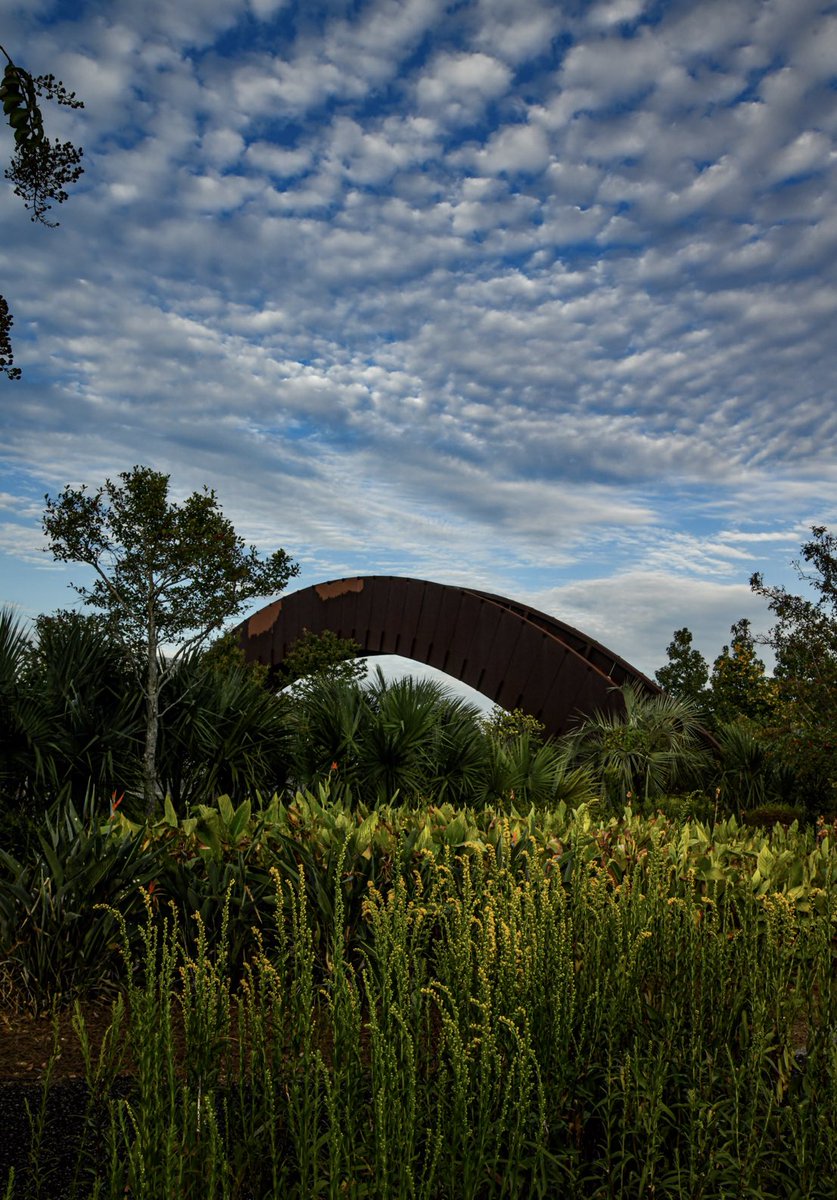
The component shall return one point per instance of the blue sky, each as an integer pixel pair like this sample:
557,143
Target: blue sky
533,297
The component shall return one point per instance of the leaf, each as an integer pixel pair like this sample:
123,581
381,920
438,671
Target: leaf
476,844
456,830
240,820
225,808
424,838
365,833
765,862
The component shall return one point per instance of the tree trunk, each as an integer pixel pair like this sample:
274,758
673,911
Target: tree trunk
152,710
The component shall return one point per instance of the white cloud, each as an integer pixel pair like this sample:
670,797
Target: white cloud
614,12
613,69
279,161
456,87
810,151
815,48
635,612
265,10
516,148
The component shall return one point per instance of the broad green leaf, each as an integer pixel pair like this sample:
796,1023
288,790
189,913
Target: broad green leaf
169,815
424,839
456,830
765,862
366,830
240,820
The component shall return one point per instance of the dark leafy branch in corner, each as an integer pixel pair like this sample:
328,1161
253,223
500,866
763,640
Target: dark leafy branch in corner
41,169
7,357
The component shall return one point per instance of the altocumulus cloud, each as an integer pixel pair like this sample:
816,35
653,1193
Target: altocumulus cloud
533,297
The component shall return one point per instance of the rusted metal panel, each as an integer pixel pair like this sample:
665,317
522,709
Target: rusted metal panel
600,656
395,632
445,647
460,661
512,653
338,587
411,619
517,690
264,619
353,612
545,685
508,651
428,622
481,643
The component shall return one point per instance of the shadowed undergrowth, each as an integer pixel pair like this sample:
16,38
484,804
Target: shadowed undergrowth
502,1028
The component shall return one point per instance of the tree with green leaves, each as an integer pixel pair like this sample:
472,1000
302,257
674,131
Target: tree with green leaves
41,169
508,726
225,653
739,684
165,574
317,656
686,673
804,640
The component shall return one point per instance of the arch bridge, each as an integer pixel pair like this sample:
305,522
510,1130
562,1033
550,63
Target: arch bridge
513,654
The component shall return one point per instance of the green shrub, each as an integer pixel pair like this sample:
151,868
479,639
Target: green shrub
765,816
55,942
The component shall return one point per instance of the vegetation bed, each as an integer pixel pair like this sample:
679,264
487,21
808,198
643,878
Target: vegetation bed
452,1006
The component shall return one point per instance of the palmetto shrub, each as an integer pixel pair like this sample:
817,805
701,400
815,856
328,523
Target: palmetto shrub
383,740
221,732
26,737
54,941
71,721
656,745
412,739
84,681
416,742
525,771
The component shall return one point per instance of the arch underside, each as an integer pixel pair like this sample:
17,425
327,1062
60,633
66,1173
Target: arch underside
515,655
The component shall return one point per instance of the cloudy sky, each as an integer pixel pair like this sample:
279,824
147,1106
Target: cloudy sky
535,297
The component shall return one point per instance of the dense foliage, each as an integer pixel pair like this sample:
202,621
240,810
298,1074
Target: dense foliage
81,707
48,925
804,640
452,1004
685,674
314,657
776,732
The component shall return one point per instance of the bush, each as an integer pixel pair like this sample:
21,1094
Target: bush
55,941
765,816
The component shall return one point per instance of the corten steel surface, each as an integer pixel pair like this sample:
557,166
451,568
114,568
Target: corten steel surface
515,655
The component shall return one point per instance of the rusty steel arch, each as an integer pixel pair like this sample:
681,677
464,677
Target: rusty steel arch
515,655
